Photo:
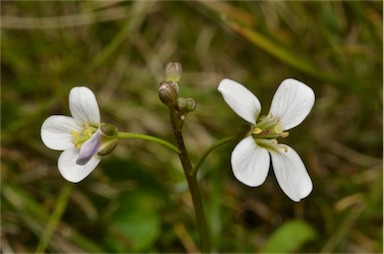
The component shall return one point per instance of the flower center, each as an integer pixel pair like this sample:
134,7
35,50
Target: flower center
266,130
78,138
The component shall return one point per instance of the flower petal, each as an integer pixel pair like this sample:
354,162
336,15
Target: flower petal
72,171
292,103
83,105
89,148
56,132
240,99
250,162
291,173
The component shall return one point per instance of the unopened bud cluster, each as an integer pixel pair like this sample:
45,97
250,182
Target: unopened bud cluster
169,90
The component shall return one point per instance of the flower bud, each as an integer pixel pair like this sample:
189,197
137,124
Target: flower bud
173,72
168,92
186,105
182,104
191,105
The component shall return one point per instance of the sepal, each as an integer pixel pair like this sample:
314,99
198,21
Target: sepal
108,130
108,147
109,138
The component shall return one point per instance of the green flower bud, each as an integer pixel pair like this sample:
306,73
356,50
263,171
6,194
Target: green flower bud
186,105
191,105
182,104
168,92
173,72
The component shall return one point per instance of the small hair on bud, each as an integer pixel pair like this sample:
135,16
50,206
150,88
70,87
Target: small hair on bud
173,72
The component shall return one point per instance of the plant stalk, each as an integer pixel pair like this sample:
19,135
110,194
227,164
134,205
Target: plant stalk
190,174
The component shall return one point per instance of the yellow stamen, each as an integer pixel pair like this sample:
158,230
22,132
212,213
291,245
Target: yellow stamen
78,138
257,130
74,133
87,132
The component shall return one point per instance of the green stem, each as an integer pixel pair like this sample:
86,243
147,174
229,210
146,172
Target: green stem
210,149
127,135
55,218
190,174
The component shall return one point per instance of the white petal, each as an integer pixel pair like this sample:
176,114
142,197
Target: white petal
291,173
56,132
240,99
292,103
73,172
89,148
250,162
83,105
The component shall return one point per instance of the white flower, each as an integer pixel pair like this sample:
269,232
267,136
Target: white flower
80,137
250,160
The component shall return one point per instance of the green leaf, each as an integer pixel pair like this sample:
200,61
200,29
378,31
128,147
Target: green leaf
135,225
289,237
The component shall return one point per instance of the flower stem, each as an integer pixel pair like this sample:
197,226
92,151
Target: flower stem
210,149
127,135
190,174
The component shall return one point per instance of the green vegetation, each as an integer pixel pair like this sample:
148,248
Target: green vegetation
137,198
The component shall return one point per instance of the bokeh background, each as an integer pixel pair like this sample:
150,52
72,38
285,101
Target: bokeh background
137,199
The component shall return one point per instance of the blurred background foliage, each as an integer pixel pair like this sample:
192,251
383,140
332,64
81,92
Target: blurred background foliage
137,198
